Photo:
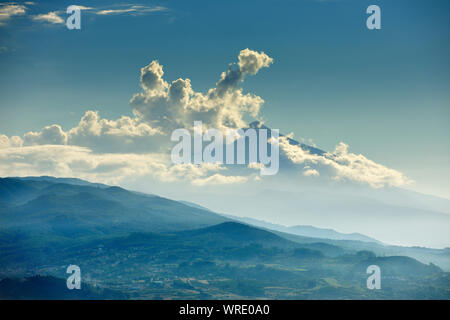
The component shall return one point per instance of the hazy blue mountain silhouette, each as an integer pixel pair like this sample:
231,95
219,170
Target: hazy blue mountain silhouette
306,231
123,240
90,209
301,230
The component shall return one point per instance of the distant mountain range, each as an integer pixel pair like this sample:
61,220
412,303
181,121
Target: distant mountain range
133,245
306,231
389,214
352,241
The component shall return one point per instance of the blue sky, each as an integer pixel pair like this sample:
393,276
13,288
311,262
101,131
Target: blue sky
385,92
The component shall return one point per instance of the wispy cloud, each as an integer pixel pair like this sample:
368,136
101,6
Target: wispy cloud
85,8
8,10
50,17
56,17
133,9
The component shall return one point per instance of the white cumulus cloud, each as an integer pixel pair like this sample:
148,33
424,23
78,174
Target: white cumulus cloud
10,142
110,168
110,151
343,165
176,104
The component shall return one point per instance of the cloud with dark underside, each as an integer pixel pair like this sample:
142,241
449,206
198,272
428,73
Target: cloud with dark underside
105,150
